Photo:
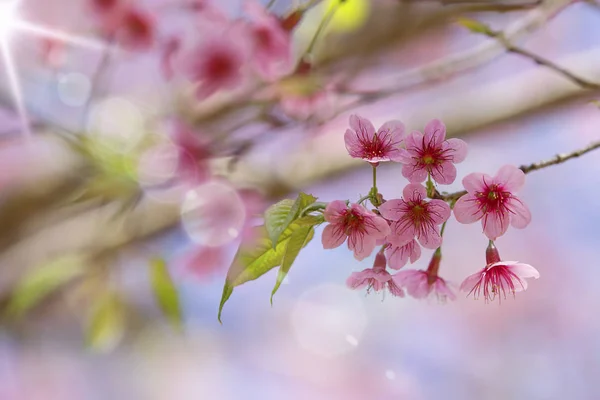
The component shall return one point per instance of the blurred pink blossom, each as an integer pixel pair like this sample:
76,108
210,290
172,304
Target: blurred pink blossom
398,256
376,278
415,218
498,277
363,142
194,153
493,201
431,154
362,228
271,43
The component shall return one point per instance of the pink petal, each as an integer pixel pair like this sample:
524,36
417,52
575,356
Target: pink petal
522,270
395,130
444,174
352,143
439,211
435,133
476,182
414,173
494,224
431,239
334,210
394,289
510,178
362,245
460,149
391,209
471,281
413,141
363,127
380,228
441,288
401,233
333,236
357,280
402,156
521,216
414,191
407,277
466,209
398,256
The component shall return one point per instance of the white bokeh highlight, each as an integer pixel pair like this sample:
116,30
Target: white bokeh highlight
119,121
329,320
73,89
213,214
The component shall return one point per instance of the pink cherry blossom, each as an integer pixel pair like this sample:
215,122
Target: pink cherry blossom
136,31
493,201
376,278
215,64
420,284
414,217
398,256
498,277
431,154
194,153
203,261
363,142
362,228
271,44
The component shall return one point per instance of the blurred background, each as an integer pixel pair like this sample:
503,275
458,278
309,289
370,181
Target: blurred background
112,264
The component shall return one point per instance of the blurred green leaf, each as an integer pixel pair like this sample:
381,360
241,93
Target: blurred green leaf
280,215
42,281
107,323
299,239
475,26
165,291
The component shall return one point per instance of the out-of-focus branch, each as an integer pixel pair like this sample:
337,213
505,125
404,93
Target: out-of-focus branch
558,159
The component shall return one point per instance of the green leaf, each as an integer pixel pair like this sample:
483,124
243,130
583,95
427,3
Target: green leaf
165,291
106,326
279,216
475,26
276,217
42,281
299,239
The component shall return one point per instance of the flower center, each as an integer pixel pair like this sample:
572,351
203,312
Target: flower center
353,222
428,159
219,66
493,199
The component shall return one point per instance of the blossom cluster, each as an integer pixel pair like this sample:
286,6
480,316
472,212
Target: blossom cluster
399,228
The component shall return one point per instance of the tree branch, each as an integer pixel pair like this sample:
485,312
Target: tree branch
558,159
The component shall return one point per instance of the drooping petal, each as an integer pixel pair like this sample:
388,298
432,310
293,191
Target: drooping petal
333,236
520,214
362,126
392,209
510,178
460,150
402,233
494,224
398,256
443,290
413,192
444,173
439,211
467,210
476,182
522,270
435,133
471,281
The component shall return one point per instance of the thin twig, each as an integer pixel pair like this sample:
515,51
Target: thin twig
584,83
558,159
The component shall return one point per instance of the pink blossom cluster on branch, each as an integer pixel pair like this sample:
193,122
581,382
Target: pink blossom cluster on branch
400,227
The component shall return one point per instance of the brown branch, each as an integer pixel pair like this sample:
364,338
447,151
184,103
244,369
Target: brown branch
558,159
584,83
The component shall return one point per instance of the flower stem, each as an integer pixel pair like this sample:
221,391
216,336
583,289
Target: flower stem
374,178
318,206
324,22
430,187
